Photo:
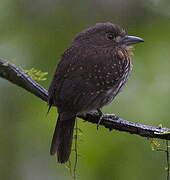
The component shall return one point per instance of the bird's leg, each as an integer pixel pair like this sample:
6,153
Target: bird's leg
100,117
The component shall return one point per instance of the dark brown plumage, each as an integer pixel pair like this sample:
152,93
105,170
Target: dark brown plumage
90,74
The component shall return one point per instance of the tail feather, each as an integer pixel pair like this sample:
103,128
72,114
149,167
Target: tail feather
63,135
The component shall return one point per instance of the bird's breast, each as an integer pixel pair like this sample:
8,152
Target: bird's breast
119,69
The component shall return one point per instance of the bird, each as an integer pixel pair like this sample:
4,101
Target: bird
90,74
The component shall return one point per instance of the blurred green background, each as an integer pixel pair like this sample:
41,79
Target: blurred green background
34,33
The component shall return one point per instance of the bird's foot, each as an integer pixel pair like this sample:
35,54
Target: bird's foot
100,117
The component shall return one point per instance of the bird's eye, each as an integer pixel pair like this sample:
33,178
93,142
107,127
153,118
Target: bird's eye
110,36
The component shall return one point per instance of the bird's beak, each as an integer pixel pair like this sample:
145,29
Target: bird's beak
128,40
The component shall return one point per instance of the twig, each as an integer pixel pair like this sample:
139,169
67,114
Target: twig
167,159
76,150
17,76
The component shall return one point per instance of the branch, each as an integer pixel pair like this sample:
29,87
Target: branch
17,76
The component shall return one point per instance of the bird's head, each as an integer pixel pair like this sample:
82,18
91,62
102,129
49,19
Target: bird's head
106,35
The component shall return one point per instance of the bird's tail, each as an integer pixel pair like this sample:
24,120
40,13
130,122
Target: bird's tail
63,135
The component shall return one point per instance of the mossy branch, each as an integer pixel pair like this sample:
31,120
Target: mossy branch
21,78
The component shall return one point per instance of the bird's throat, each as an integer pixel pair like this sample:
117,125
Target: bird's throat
130,50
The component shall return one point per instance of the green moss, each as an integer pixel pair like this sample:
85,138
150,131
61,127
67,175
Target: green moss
36,75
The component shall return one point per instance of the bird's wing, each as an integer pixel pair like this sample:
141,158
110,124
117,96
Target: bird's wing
80,77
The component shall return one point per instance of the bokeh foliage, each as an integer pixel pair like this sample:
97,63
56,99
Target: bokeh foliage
33,34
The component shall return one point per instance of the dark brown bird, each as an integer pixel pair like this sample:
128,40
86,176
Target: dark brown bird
90,74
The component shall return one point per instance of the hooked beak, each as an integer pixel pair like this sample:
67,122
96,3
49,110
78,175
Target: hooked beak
128,40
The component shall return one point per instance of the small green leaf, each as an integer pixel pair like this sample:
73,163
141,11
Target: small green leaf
36,75
155,145
5,64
